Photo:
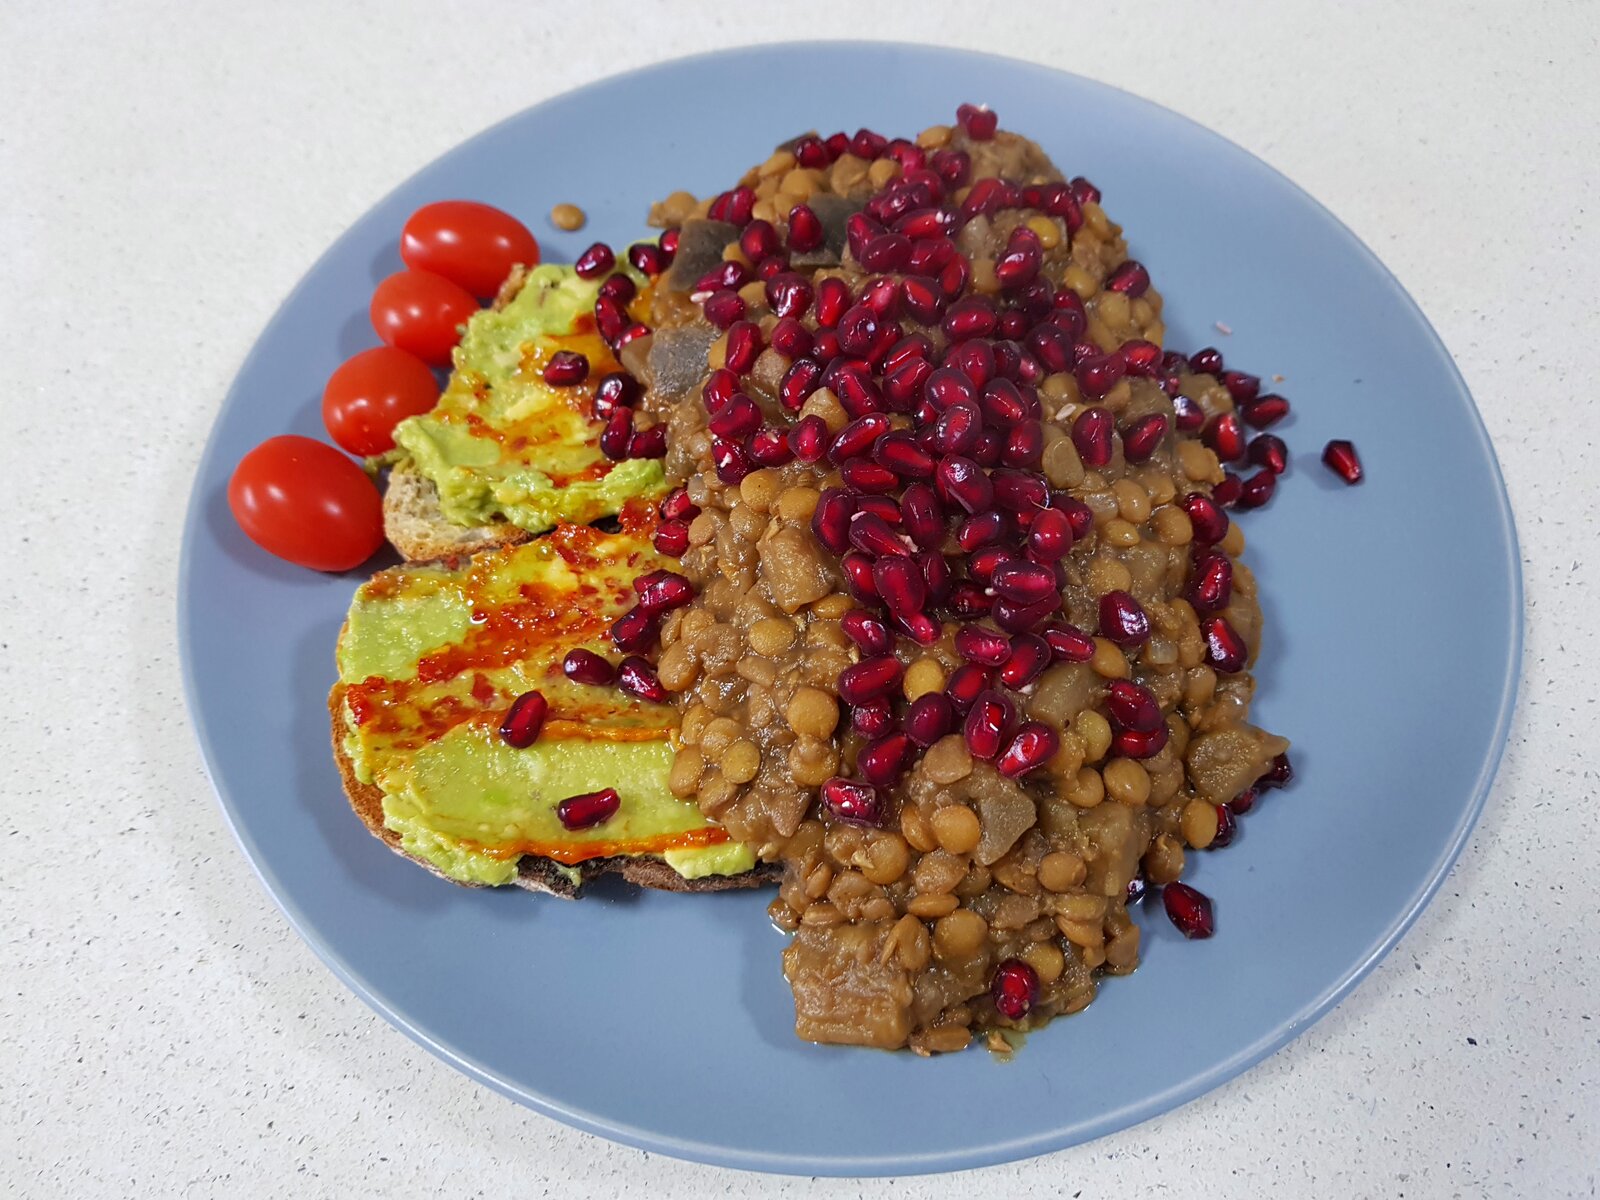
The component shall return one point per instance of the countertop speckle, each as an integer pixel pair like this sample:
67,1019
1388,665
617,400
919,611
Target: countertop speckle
167,172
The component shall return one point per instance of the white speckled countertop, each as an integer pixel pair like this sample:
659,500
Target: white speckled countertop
166,174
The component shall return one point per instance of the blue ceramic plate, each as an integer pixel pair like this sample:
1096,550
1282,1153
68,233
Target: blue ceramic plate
664,1021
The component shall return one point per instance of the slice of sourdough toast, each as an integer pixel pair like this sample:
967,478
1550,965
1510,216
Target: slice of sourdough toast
419,530
533,873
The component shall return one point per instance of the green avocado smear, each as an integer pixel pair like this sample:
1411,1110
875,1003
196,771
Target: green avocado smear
431,658
502,443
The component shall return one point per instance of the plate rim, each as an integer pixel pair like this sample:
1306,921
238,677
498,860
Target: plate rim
990,1153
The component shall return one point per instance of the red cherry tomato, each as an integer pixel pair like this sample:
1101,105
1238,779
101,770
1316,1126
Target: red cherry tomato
304,501
468,243
420,313
372,393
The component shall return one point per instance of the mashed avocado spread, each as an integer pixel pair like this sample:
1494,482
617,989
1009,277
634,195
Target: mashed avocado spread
502,443
430,659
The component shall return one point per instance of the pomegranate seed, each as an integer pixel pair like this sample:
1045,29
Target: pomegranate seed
720,387
789,296
1079,513
589,809
1279,775
769,447
882,296
635,629
1190,417
672,538
885,252
619,287
585,666
597,260
966,683
1131,279
566,368
1140,743
884,760
979,123
852,802
1024,582
1227,492
948,387
968,601
1225,436
647,258
636,677
610,318
961,481
973,358
617,389
921,515
617,435
1240,386
731,461
1244,801
1030,655
1020,491
740,202
953,279
1068,644
668,241
987,723
811,152
722,309
1225,649
1034,745
1209,521
1189,910
1140,358
977,644
1084,192
981,529
830,520
867,476
1091,434
1227,828
901,584
1341,458
1140,440
1024,445
903,384
662,591
914,347
1004,404
1210,584
952,166
631,334
857,438
1052,346
924,302
970,317
900,453
866,631
1123,619
1024,255
867,144
808,439
833,297
791,339
1267,450
743,347
1207,361
524,719
803,378
838,143
678,506
883,506
1264,411
735,419
870,679
759,240
1133,706
1258,489
805,230
871,534
858,329
1014,989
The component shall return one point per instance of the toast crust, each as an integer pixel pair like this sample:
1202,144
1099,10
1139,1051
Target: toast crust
533,873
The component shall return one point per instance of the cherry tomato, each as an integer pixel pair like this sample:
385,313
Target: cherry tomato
304,501
420,313
372,393
470,244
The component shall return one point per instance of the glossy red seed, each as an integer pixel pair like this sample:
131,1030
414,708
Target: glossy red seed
977,644
731,460
1188,415
1189,909
1225,436
619,287
1091,435
735,419
833,297
853,802
805,230
1068,644
610,318
871,534
1050,536
902,385
1004,404
970,317
1341,458
1123,619
770,447
1258,489
1210,523
1131,279
647,258
743,346
566,368
1019,264
866,631
728,276
1024,446
631,334
987,724
929,718
954,277
858,329
662,591
1225,649
722,309
1139,743
1141,358
808,439
1033,745
672,538
1268,451
618,433
585,666
921,515
1241,387
617,389
635,629
964,686
1207,361
870,679
1052,346
1227,828
638,678
981,529
1014,989
589,809
648,443
1244,801
901,584
961,481
678,506
857,568
867,476
857,438
975,359
1264,411
1210,585
830,520
791,339
758,240
1030,655
1024,583
1227,492
801,379
900,453
524,719
1139,440
881,762
1020,492
597,260
1279,775
968,601
1132,706
1084,192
